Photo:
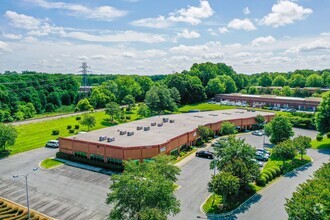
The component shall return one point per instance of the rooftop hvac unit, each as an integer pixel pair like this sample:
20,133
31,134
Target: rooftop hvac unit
111,139
160,124
153,123
122,132
165,120
102,138
130,133
139,128
146,128
172,121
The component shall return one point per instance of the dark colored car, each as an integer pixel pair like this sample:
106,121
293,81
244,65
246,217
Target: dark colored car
261,156
205,154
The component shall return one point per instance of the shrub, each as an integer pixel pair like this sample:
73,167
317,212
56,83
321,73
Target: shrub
68,127
71,131
319,137
55,132
278,170
128,117
261,181
266,177
269,174
273,171
182,154
78,118
328,135
76,127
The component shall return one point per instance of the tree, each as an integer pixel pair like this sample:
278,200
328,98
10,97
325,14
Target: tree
214,86
311,199
175,95
279,129
143,110
204,132
84,105
253,90
224,184
8,135
227,128
142,191
129,100
88,120
285,151
322,117
229,83
158,99
236,156
112,109
314,80
260,120
286,91
297,80
265,80
301,143
279,81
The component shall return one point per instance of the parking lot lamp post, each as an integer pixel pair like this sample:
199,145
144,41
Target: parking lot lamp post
26,188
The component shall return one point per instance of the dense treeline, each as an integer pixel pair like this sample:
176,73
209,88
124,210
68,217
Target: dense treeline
23,95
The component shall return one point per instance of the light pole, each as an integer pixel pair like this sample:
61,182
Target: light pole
26,188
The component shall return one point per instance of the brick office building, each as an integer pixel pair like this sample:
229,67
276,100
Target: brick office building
309,103
144,139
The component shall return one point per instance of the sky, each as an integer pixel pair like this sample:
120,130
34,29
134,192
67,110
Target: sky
149,37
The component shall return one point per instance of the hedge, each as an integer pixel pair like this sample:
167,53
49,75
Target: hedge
269,174
265,176
278,170
55,132
68,126
273,171
328,135
261,181
319,137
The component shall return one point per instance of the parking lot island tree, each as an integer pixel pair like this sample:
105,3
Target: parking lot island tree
113,110
279,129
88,120
237,157
204,132
284,151
8,135
224,184
227,128
143,191
260,120
322,117
301,143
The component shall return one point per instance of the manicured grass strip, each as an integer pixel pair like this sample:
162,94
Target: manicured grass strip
204,107
35,135
324,144
289,164
212,203
186,155
50,163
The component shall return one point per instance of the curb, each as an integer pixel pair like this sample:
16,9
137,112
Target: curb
39,165
254,195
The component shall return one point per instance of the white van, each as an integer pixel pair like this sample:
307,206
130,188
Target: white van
53,144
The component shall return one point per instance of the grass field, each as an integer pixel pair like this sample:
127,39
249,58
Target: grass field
50,163
324,144
204,107
35,135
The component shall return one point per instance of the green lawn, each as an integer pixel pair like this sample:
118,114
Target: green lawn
50,163
204,107
324,144
62,110
35,135
289,164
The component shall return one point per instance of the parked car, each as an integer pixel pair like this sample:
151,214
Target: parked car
53,143
205,154
261,156
257,133
264,151
258,162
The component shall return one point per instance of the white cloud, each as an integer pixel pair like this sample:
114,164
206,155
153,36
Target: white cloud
191,15
311,46
246,11
285,12
98,57
212,32
213,56
30,39
263,40
189,49
22,21
155,53
222,30
243,54
4,47
125,36
159,22
82,58
188,35
242,24
12,36
128,55
104,13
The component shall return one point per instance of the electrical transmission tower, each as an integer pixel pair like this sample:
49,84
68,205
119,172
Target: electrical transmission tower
85,89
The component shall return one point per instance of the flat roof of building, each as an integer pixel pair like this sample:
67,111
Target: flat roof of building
275,97
183,123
